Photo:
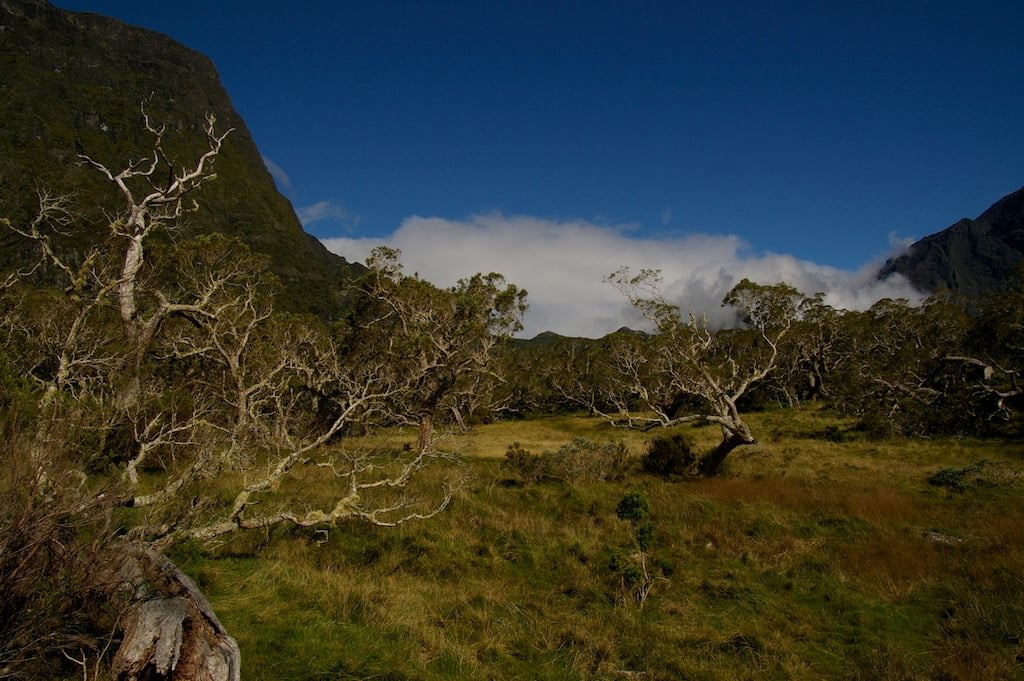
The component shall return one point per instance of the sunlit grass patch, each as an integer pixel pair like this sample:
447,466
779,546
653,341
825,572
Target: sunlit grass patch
546,433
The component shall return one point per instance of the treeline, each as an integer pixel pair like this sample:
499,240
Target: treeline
947,366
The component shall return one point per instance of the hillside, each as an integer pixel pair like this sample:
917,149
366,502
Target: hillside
73,83
971,257
812,559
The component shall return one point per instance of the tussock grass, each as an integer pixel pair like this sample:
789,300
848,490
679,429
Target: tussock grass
809,558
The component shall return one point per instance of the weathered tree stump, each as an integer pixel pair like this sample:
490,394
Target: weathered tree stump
170,630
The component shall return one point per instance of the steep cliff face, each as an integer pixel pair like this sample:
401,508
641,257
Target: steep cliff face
73,83
972,257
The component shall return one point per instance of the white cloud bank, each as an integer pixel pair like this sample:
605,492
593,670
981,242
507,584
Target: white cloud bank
562,264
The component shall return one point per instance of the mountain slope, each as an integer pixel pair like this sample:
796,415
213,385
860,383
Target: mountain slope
74,83
971,257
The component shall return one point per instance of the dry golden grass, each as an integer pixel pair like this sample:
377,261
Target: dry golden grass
789,493
883,505
895,565
1005,532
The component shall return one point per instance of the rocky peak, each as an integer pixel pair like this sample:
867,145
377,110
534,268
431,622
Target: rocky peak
971,257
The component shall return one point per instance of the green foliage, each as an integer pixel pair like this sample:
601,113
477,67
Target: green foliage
946,366
633,507
522,462
920,376
444,341
981,473
627,570
578,461
644,534
668,456
765,306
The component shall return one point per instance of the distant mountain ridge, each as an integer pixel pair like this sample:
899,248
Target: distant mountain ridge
971,257
74,83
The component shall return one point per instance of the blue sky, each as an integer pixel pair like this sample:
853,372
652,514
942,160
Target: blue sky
821,133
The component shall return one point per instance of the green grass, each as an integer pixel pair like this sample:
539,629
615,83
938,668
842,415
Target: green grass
807,559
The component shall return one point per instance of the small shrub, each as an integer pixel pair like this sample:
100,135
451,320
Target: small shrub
979,474
635,577
668,456
522,462
833,434
633,507
580,460
950,478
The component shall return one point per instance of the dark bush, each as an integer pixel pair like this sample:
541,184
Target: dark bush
668,456
629,572
833,434
633,507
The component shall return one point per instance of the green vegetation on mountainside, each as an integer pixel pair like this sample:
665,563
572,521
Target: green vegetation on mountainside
74,84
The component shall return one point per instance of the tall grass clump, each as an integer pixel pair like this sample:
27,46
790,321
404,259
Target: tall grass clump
56,615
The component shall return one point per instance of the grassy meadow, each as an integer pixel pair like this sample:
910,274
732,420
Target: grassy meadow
818,554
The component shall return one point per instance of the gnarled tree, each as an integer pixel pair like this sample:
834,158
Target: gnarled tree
895,379
685,371
443,341
163,364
